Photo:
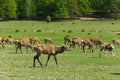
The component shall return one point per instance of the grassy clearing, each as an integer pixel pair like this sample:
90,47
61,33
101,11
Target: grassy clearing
72,65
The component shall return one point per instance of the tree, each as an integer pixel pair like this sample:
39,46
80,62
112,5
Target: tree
44,8
84,7
30,9
106,8
73,8
21,10
8,9
60,9
26,9
96,7
112,8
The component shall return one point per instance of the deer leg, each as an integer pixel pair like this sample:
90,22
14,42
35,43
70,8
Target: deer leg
64,42
100,51
39,60
16,49
26,49
3,45
91,49
36,57
34,60
83,48
55,59
110,52
48,59
19,48
70,45
31,48
73,45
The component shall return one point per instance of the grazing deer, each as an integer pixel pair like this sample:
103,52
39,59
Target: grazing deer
106,46
48,40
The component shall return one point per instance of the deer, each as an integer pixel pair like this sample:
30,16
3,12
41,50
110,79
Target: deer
48,40
24,42
106,46
48,49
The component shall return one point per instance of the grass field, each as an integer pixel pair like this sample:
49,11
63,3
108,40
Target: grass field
72,65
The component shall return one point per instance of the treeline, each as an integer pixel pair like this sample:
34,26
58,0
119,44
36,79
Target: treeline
58,9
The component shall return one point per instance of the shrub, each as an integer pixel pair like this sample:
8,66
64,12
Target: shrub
25,31
17,30
69,31
63,31
118,33
48,19
39,30
89,33
82,30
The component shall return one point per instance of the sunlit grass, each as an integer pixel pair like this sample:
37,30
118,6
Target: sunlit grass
72,65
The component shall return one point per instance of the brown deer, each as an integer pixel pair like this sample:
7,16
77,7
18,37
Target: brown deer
96,41
48,40
24,42
116,41
49,50
87,42
106,46
67,40
34,40
76,41
2,43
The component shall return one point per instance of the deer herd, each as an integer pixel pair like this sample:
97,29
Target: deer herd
49,48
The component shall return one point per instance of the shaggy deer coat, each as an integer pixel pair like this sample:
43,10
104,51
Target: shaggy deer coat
67,40
96,41
48,50
24,42
76,41
48,40
87,42
106,46
34,40
116,41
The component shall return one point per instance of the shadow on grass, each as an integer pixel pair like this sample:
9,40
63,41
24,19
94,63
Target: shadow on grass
115,73
36,67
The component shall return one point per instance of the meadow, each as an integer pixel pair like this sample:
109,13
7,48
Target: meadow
72,65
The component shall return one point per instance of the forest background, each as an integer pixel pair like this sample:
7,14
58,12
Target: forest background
58,9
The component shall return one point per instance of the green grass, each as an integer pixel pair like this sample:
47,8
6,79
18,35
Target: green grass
72,65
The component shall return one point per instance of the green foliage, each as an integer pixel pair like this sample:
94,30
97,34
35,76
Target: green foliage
84,7
30,8
44,7
39,9
73,8
112,8
106,8
8,9
60,8
48,19
26,9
